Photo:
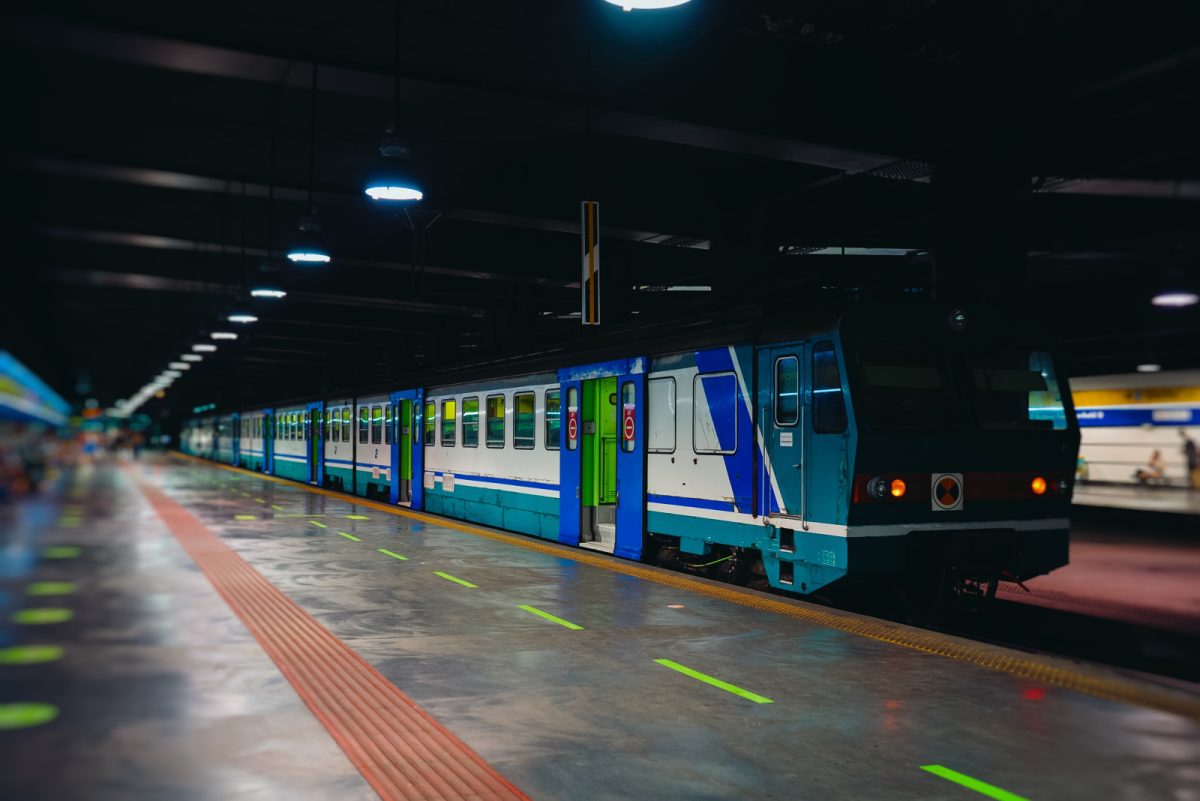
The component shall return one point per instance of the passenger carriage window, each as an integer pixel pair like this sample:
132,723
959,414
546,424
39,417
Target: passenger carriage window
430,423
1047,403
660,399
787,391
364,425
572,418
1015,389
470,422
335,426
495,421
828,402
449,422
628,417
714,413
387,424
304,421
525,422
345,424
376,425
553,419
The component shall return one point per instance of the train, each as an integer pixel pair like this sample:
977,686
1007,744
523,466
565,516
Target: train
908,444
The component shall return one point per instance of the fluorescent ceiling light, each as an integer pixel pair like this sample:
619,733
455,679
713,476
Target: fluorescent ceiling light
1149,368
222,335
239,317
191,357
394,193
204,348
263,292
1175,299
648,5
179,366
308,256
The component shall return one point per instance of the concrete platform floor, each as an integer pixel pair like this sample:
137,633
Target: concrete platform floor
1169,500
162,693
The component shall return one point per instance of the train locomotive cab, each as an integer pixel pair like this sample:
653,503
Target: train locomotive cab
961,442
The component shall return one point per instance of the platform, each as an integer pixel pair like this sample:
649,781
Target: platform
225,635
1159,500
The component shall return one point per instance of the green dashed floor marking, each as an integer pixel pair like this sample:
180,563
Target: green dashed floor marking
390,553
724,685
349,536
61,552
245,517
50,588
991,791
260,500
308,515
357,517
455,579
533,610
22,716
30,654
317,524
277,508
36,616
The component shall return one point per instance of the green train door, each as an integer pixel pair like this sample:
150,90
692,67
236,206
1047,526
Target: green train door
404,418
598,480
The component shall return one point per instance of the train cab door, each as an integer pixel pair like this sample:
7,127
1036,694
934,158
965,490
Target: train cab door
782,415
406,459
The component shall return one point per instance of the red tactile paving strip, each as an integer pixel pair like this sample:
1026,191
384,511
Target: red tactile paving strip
398,747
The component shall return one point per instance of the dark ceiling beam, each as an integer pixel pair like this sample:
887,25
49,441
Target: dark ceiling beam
201,59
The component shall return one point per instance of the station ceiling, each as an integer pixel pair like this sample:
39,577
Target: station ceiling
757,152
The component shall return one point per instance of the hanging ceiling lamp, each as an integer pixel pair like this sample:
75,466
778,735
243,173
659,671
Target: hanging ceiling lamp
630,5
242,317
309,245
394,180
267,292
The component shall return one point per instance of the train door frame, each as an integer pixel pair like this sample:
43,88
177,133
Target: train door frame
416,447
782,498
269,441
630,512
236,439
315,451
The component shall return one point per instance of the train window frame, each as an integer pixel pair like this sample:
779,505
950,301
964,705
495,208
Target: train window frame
627,395
364,425
471,427
388,422
429,424
449,426
573,398
335,425
696,381
795,359
552,443
530,442
489,441
817,416
377,424
674,395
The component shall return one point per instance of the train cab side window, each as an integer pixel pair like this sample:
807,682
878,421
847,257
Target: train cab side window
660,407
495,421
364,425
430,423
787,391
470,422
387,424
525,420
553,419
449,422
376,425
828,402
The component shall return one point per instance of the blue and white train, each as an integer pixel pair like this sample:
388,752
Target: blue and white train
895,442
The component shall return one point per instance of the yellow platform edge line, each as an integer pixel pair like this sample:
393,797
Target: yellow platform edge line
1109,687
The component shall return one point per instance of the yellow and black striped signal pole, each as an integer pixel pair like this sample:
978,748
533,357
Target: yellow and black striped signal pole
590,285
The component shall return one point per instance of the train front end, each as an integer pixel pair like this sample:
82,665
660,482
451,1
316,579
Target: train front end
964,449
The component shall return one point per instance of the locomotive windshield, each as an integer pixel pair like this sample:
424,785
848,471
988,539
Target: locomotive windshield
916,387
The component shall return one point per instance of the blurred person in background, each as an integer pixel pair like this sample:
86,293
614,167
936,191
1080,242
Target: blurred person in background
1193,463
1154,471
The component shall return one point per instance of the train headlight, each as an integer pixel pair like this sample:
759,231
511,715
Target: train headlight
1038,485
898,487
878,488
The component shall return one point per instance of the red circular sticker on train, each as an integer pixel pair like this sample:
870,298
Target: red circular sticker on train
627,426
572,425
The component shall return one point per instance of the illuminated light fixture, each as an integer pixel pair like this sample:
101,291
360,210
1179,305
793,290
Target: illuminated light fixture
179,366
204,348
647,5
309,247
898,488
239,317
264,292
1149,368
172,373
191,357
1175,300
218,335
394,180
1038,485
